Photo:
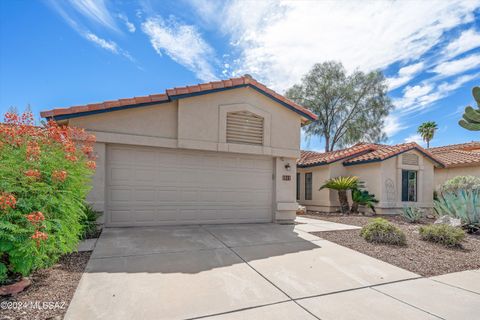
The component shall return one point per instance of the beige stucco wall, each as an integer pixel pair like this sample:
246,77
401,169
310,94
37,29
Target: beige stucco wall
444,174
198,123
320,198
154,121
383,179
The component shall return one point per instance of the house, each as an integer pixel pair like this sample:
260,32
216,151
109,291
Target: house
218,152
458,159
397,175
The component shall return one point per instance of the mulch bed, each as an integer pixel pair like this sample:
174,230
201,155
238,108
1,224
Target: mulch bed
54,285
422,257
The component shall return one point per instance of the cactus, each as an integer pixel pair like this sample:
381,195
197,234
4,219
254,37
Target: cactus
471,117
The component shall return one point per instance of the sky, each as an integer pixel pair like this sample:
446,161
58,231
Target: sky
70,52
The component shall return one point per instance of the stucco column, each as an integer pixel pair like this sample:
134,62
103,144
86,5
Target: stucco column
285,204
96,197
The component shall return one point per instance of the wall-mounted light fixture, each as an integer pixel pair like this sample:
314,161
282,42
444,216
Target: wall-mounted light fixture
287,166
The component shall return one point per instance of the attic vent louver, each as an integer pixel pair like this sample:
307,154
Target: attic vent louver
410,159
244,127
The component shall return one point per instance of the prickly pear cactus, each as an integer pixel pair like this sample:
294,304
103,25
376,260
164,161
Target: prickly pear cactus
471,117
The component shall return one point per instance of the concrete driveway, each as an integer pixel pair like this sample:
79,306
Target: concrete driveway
254,271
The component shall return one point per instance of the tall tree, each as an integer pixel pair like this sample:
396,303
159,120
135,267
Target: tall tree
471,117
350,108
427,131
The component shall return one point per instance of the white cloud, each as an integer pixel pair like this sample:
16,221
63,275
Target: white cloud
108,45
130,26
415,138
183,43
416,98
468,40
393,125
95,10
458,66
405,74
278,42
105,44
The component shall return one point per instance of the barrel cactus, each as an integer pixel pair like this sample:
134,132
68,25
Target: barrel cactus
471,117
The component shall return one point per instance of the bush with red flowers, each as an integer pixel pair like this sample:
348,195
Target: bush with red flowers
45,175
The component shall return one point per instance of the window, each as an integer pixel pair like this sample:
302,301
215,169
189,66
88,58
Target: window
409,185
244,127
298,185
308,186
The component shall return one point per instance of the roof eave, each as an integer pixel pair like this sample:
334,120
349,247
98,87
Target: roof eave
394,155
305,116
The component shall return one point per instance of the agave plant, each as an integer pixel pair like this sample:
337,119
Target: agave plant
362,198
462,204
412,214
342,185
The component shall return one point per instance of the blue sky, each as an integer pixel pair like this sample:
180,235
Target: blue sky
64,53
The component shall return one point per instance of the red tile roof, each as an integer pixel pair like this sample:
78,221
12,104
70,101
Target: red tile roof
384,152
458,155
313,158
176,93
361,153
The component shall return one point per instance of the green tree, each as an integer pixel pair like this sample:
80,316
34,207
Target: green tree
350,108
342,185
471,117
427,131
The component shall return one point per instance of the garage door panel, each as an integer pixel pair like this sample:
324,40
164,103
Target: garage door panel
155,186
118,155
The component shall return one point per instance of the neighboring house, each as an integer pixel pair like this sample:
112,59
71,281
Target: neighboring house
459,160
397,175
219,152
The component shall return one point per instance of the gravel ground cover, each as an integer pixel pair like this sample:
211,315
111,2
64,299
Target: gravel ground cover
50,293
424,258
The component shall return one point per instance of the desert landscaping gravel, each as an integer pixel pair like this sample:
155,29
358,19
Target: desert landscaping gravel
54,285
424,258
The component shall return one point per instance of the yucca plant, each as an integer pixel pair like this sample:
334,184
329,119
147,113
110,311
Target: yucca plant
362,198
342,185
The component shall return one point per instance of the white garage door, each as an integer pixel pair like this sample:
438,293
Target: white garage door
156,186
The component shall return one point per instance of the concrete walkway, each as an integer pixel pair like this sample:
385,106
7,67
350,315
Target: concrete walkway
256,271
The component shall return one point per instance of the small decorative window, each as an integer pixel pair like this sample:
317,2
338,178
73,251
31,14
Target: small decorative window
244,127
410,159
308,186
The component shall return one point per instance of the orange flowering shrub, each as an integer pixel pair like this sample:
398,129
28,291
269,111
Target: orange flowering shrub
44,177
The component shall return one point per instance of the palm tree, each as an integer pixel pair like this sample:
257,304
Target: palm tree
342,184
427,131
362,198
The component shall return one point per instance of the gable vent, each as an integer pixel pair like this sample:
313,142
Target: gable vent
410,159
244,127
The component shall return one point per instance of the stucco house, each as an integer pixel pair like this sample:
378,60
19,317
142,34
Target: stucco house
397,175
218,152
458,159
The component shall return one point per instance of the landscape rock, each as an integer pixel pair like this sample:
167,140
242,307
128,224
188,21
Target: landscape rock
301,210
16,287
454,222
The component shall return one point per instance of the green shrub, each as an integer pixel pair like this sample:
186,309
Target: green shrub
460,183
443,234
44,177
412,214
88,221
381,231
